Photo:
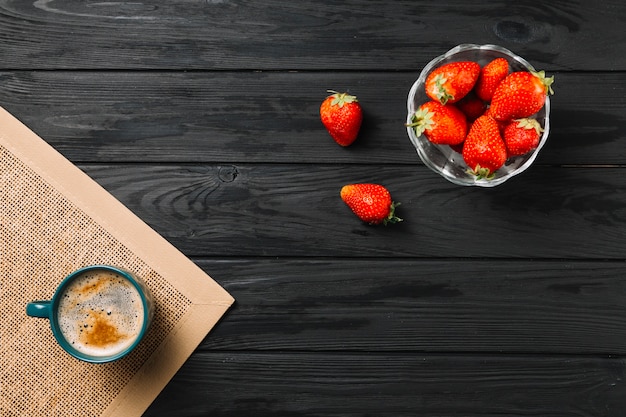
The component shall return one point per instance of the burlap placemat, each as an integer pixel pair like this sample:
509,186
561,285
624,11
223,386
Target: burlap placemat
55,219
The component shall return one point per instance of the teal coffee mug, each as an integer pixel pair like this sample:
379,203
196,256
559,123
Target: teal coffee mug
98,313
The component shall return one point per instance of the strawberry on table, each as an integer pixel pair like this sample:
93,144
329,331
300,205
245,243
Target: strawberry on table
450,82
484,150
444,125
490,76
520,94
342,115
522,136
371,203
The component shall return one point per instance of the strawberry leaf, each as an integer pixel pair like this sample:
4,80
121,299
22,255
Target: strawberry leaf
442,94
546,81
339,99
392,218
481,173
421,121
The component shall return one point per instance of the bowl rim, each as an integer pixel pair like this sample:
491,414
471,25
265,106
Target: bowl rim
530,158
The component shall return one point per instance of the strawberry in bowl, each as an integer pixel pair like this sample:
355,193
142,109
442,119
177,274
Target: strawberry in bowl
494,89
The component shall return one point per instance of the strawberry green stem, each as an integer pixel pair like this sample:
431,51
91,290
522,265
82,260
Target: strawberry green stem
441,93
481,173
546,81
392,218
421,121
341,98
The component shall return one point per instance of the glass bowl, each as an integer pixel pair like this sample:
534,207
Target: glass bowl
442,158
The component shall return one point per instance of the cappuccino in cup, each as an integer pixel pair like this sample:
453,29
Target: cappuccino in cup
100,313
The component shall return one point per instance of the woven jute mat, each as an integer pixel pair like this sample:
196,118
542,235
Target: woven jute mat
54,219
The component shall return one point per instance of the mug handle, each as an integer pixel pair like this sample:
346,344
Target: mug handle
39,309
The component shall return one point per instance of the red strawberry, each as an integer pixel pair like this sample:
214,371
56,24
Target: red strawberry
484,150
440,124
501,123
451,82
490,76
522,136
471,106
342,115
370,202
520,94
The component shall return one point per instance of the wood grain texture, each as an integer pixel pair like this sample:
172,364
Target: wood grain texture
354,34
295,210
274,117
302,384
409,306
202,118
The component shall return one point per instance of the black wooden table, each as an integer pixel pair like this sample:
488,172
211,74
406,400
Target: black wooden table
202,117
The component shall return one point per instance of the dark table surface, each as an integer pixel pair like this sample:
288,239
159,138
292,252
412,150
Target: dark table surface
202,117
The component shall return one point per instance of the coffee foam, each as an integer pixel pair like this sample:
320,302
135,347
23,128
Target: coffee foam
100,313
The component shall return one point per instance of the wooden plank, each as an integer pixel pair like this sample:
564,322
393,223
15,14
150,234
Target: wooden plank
295,210
301,384
274,117
352,34
484,306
